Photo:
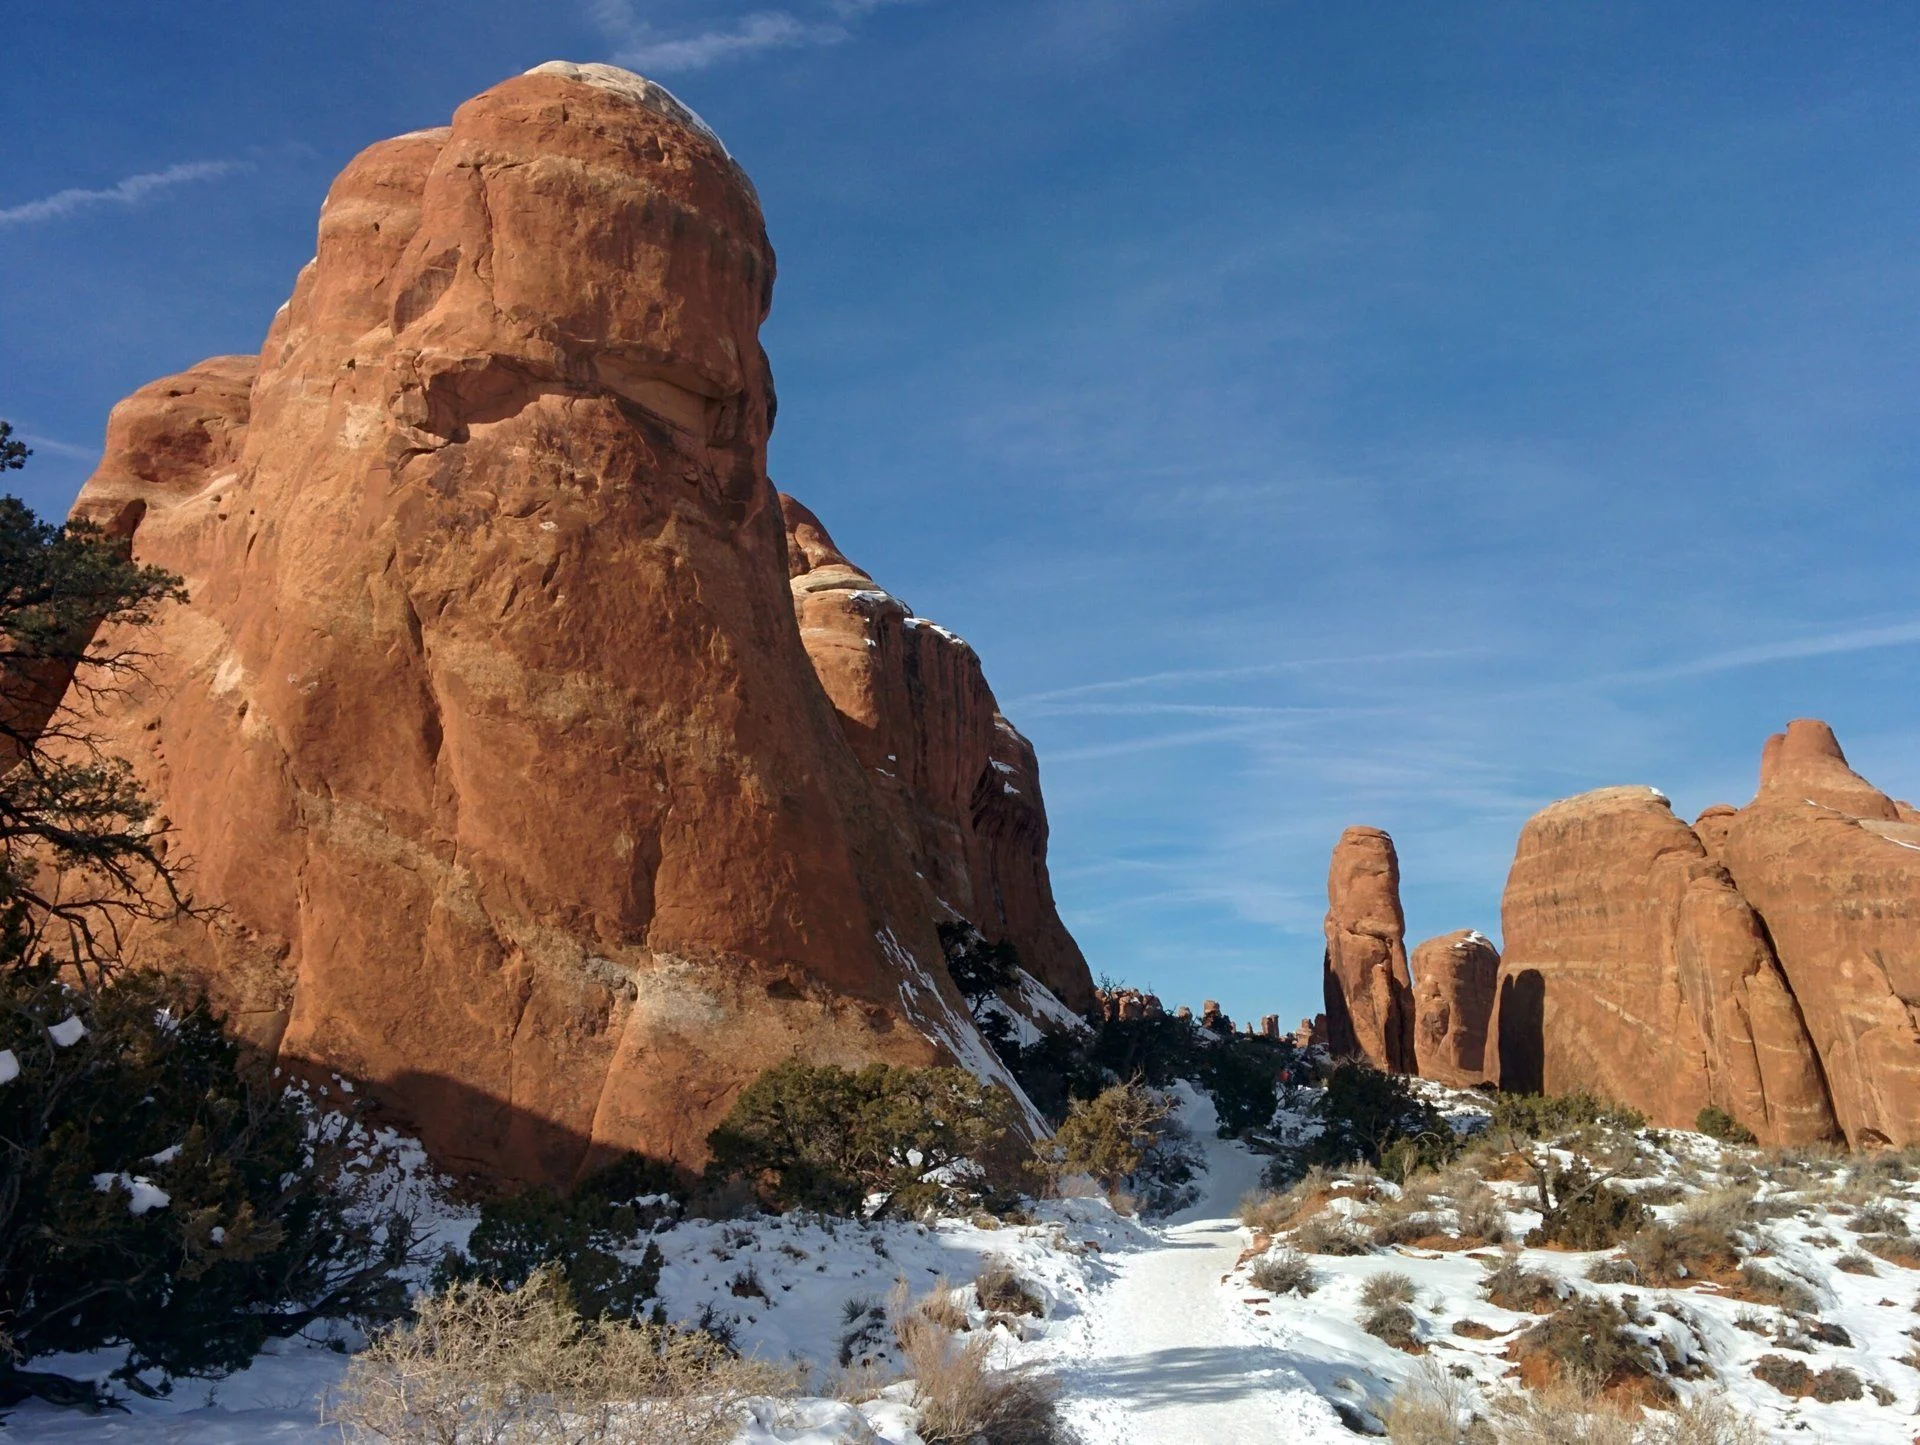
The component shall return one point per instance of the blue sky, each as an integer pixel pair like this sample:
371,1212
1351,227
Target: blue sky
1386,413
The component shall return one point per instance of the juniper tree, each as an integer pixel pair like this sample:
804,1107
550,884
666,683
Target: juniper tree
78,858
160,1191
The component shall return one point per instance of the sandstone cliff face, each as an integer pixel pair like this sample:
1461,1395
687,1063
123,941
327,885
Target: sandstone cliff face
1368,992
1454,978
1830,864
963,784
1766,960
489,728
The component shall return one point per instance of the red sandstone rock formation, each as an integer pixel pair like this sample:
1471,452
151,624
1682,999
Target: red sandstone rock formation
1369,994
489,728
918,713
1454,977
1833,867
1766,960
1128,1004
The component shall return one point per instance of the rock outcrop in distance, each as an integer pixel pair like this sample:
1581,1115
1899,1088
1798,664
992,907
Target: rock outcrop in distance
547,774
1765,960
1454,979
1429,1020
1369,994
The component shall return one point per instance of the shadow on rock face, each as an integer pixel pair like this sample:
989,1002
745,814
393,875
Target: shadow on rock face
1522,1011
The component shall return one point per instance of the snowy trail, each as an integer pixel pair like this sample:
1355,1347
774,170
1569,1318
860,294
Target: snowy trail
1162,1361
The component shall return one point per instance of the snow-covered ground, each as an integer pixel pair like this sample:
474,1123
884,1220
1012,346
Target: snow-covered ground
1163,1354
1154,1331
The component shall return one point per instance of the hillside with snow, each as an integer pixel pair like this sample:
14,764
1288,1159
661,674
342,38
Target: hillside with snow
1179,1329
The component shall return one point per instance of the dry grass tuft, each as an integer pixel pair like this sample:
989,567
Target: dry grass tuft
482,1364
1412,1216
1387,1287
1002,1291
1897,1249
937,1306
1871,1177
1703,1421
961,1398
1433,1408
1481,1214
1854,1262
1881,1218
1764,1286
857,1384
1513,1286
1327,1234
1286,1272
1560,1414
1266,1211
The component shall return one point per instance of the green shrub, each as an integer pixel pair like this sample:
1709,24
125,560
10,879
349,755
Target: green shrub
1579,1210
826,1138
1242,1077
977,966
1513,1286
1108,1137
1127,1141
980,969
1717,1123
1588,1340
578,1235
1547,1116
161,1192
1158,1050
1780,1290
1054,1070
1369,1116
1392,1323
1791,1377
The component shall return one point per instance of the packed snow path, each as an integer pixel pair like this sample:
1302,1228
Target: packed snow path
1161,1359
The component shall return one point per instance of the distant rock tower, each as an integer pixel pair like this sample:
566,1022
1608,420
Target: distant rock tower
1369,994
1454,978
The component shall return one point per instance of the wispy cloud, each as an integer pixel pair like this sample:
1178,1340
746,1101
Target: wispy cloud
59,448
1156,743
1174,709
122,193
1182,676
1861,639
643,47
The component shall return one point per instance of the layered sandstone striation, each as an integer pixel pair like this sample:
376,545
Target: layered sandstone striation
490,732
1454,977
1369,994
1765,960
